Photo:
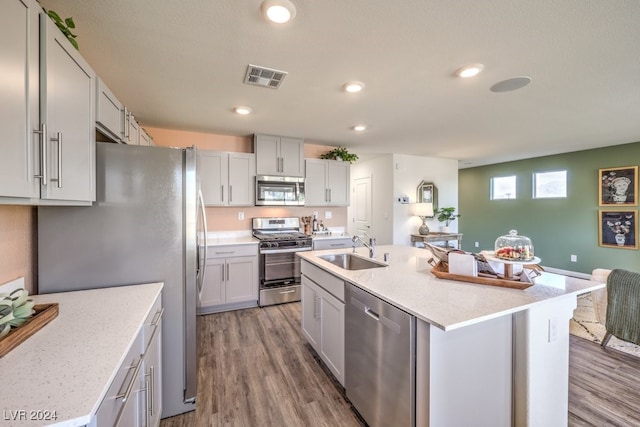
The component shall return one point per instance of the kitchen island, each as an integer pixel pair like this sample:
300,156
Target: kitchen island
485,355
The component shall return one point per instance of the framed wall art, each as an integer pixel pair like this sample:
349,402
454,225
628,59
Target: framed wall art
427,193
618,229
618,186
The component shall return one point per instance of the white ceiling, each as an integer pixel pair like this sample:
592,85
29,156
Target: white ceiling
181,64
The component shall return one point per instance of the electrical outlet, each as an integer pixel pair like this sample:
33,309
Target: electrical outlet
240,216
477,244
405,199
574,258
328,215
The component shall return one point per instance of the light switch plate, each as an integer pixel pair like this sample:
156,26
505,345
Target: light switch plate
328,215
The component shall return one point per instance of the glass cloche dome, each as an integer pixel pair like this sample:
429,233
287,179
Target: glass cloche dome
512,247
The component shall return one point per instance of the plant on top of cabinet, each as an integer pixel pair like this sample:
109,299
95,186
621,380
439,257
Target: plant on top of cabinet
65,26
340,153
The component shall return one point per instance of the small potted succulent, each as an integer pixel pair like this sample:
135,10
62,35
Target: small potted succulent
447,216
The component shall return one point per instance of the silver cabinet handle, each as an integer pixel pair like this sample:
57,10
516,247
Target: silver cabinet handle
222,271
227,272
152,378
222,193
124,396
58,139
277,164
316,308
329,195
124,125
157,317
147,400
230,193
43,154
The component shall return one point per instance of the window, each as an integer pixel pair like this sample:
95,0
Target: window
503,187
548,185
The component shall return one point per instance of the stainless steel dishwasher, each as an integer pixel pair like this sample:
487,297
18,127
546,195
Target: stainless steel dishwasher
380,360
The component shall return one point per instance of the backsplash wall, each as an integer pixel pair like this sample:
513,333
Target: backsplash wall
17,244
226,219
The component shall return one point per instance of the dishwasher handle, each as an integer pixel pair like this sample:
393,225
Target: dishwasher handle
372,314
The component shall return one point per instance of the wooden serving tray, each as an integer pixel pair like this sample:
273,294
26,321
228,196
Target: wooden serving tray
44,313
441,271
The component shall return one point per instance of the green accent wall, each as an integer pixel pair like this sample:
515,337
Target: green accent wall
558,228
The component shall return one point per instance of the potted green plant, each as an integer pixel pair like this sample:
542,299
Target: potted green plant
340,153
447,216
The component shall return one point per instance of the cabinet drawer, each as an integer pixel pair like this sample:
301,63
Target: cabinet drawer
326,281
232,251
151,322
321,244
127,375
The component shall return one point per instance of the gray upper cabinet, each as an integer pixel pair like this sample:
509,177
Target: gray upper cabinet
109,112
19,114
279,155
47,122
226,179
67,108
327,183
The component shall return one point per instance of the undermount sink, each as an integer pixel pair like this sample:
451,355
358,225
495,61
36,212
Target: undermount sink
351,261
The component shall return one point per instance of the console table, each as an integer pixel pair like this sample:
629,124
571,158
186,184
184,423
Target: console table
437,237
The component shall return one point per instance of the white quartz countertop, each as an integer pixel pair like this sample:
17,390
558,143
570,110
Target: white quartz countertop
228,241
65,368
407,283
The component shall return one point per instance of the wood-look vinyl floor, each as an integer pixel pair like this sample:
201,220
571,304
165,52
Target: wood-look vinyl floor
255,369
604,386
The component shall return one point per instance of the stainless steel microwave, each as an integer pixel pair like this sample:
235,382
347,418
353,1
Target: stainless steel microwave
279,191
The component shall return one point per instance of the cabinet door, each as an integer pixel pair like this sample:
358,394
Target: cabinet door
153,379
310,312
338,183
212,171
332,334
67,107
241,179
213,290
109,114
266,148
242,279
316,192
19,114
292,157
144,137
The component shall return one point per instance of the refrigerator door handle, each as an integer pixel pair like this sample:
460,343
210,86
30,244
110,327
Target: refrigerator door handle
203,266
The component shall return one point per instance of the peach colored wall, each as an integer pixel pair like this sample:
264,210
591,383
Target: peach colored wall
17,244
226,219
211,141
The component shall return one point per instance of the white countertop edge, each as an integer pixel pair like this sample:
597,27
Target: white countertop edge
348,276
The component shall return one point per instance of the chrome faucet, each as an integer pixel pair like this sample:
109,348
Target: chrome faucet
371,245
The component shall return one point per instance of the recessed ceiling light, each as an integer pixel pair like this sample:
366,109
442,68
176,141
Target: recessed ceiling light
278,11
242,110
469,70
359,128
353,87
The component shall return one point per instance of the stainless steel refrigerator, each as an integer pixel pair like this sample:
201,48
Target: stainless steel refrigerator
143,227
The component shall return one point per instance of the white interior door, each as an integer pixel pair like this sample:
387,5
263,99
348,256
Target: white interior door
362,206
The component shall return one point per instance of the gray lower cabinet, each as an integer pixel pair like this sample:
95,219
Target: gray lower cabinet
231,278
47,120
323,312
134,397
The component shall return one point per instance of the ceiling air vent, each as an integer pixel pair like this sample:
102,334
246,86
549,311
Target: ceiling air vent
265,77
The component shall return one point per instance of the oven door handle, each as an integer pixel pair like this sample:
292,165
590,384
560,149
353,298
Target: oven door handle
284,251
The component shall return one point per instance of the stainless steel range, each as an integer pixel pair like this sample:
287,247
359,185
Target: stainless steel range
280,239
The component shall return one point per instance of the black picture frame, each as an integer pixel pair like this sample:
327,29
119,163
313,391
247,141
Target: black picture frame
618,229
